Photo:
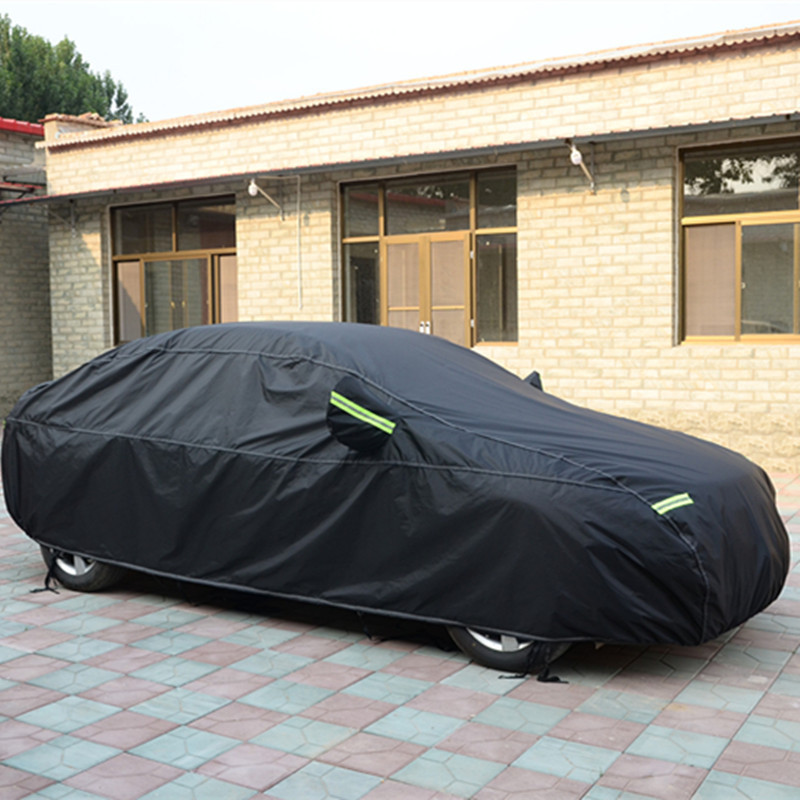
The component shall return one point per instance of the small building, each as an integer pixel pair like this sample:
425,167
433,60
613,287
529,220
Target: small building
625,222
25,352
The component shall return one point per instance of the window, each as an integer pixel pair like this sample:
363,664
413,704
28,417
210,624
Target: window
741,243
174,265
434,253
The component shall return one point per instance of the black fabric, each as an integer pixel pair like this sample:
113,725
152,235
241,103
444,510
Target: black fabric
205,453
535,380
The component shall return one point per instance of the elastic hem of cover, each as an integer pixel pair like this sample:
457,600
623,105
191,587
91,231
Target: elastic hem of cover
317,601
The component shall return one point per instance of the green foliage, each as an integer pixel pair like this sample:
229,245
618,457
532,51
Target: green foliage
38,78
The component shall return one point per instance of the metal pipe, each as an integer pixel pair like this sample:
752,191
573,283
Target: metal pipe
299,250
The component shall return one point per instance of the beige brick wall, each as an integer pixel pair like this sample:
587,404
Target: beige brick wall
79,285
278,279
634,96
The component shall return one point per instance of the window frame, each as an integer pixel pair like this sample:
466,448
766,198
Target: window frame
382,237
210,255
739,220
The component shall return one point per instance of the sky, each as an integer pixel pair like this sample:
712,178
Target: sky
181,57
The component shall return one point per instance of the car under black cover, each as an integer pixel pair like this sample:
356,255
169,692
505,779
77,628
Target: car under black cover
386,471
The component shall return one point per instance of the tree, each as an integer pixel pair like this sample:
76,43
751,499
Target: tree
37,78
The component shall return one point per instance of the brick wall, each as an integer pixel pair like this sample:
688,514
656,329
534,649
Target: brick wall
79,285
25,316
634,96
25,310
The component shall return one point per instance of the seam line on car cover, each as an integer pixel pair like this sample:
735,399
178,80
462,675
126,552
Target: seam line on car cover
359,412
312,460
672,503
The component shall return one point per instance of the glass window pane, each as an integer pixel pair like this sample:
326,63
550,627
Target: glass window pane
496,288
710,291
176,294
361,283
361,211
206,224
228,289
497,199
142,229
768,278
426,205
129,300
744,182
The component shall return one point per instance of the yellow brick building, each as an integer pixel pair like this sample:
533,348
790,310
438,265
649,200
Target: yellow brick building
627,223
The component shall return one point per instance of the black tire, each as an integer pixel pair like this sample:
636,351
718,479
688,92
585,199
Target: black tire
507,654
80,574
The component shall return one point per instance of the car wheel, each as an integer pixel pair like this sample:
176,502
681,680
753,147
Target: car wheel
506,653
78,573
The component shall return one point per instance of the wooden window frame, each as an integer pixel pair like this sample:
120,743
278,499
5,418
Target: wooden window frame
381,238
211,256
739,220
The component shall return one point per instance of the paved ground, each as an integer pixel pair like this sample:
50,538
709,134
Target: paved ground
164,691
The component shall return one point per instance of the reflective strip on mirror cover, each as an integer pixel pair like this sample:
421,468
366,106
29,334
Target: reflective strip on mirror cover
361,413
671,503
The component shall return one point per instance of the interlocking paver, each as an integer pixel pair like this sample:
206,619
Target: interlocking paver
123,777
377,755
138,693
253,766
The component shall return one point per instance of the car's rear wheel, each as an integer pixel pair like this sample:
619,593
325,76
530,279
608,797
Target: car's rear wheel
506,653
78,573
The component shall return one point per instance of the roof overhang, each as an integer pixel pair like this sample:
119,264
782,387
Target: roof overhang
19,126
405,159
728,41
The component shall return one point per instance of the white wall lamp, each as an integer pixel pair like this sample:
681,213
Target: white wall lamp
253,189
576,157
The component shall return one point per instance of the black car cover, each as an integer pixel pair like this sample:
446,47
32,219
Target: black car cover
383,470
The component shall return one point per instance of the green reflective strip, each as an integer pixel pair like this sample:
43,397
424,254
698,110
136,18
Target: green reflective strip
671,503
364,414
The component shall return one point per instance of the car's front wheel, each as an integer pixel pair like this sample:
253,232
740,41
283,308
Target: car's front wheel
78,573
506,653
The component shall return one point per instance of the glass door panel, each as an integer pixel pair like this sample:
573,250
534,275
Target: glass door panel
448,285
403,285
176,294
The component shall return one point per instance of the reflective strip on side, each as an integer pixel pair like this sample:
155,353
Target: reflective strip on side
359,412
671,503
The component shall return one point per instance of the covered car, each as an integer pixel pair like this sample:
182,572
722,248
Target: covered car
386,471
